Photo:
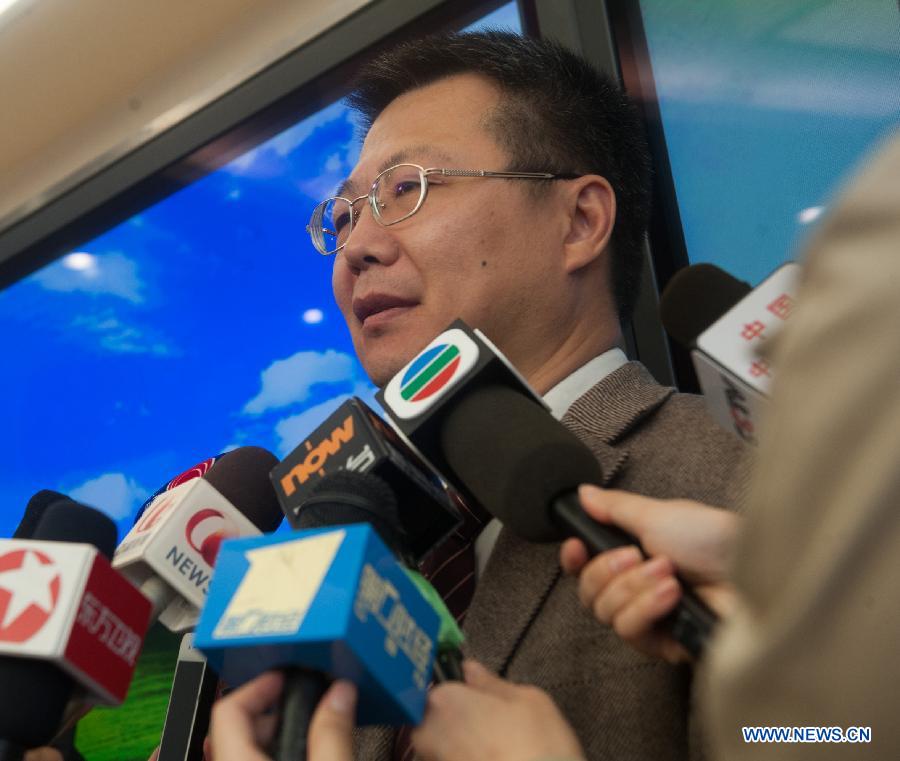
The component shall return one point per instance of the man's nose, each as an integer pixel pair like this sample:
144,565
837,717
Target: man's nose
369,242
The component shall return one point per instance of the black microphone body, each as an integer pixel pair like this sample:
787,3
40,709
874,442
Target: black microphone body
355,439
33,692
695,298
338,499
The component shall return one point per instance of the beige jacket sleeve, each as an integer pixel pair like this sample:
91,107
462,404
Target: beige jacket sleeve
817,640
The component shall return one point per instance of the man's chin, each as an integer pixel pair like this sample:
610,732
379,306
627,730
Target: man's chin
384,357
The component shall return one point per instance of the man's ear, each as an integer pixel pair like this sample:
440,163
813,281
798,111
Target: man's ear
592,214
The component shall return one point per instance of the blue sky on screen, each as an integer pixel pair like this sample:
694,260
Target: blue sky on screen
767,108
204,323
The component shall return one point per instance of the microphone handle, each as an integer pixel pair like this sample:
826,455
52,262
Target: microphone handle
690,624
303,689
448,666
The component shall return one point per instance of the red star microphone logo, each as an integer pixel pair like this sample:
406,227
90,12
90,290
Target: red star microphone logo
29,589
205,532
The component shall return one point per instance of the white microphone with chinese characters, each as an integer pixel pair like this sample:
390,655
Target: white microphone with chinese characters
728,345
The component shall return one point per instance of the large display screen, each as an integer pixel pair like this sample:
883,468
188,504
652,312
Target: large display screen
201,324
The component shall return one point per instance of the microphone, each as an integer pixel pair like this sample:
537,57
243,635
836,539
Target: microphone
355,439
195,471
725,324
169,553
34,511
241,477
65,615
484,428
190,704
334,601
348,496
352,497
695,297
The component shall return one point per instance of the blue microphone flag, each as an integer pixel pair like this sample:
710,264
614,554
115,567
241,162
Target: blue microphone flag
334,600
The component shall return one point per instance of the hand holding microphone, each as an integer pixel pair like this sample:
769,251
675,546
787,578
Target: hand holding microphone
486,717
242,725
633,594
489,717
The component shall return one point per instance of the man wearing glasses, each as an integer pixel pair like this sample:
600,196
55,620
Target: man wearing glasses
504,181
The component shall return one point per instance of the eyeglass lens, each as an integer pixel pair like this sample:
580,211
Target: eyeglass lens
398,193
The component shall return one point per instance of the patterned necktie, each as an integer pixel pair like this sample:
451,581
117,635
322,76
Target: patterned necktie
450,568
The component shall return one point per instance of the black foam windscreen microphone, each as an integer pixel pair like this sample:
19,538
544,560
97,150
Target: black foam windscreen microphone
526,470
34,511
34,693
242,477
354,438
695,297
347,496
69,521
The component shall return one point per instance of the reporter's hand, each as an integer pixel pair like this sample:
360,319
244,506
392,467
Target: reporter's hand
632,594
240,726
490,718
45,753
331,729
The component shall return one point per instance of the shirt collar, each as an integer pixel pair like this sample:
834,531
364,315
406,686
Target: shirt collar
563,394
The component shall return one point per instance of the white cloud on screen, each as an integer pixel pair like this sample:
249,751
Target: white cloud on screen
291,431
258,162
334,162
105,274
336,169
290,381
120,337
114,493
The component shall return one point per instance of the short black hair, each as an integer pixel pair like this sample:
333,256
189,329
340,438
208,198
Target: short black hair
558,113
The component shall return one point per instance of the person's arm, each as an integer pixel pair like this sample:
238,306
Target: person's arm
633,594
488,717
242,724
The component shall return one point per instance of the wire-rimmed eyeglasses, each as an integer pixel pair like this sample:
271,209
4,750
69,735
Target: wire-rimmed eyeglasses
397,193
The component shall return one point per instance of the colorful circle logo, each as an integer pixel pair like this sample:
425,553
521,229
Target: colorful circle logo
29,589
433,370
205,532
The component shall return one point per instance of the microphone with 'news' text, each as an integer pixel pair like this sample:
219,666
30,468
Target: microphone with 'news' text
170,552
